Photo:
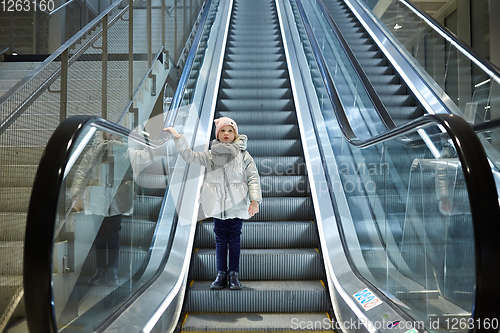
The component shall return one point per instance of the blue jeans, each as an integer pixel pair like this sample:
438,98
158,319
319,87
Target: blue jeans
227,232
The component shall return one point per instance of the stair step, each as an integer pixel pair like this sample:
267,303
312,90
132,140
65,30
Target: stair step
11,258
14,199
18,175
12,226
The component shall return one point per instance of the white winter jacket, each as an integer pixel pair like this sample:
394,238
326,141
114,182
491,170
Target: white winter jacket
231,177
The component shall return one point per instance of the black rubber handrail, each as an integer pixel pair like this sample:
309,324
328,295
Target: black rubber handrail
487,126
482,192
372,94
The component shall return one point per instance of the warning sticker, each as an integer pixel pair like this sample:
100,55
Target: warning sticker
367,299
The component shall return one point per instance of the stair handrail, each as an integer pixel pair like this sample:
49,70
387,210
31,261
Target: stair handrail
5,123
50,13
173,6
5,51
478,59
481,188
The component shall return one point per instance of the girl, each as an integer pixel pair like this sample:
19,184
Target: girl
230,193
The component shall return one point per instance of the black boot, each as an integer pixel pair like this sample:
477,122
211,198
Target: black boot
113,277
220,281
98,278
234,283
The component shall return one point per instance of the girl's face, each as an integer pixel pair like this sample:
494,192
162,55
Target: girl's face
226,134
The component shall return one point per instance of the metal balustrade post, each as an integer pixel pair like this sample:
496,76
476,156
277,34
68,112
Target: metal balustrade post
149,32
105,67
131,49
191,13
63,101
12,30
184,22
85,13
163,9
164,34
175,32
36,28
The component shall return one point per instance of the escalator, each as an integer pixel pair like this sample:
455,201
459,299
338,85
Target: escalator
280,256
393,92
349,231
410,211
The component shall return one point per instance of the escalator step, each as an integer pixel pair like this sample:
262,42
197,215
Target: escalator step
253,93
278,148
254,83
255,57
264,235
261,44
260,117
270,132
280,165
264,264
147,207
242,74
253,49
285,209
244,28
255,322
278,186
259,296
252,104
137,232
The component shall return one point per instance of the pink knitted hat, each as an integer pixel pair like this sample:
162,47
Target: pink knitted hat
225,121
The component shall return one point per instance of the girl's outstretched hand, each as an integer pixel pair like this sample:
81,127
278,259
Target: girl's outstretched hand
173,132
253,209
